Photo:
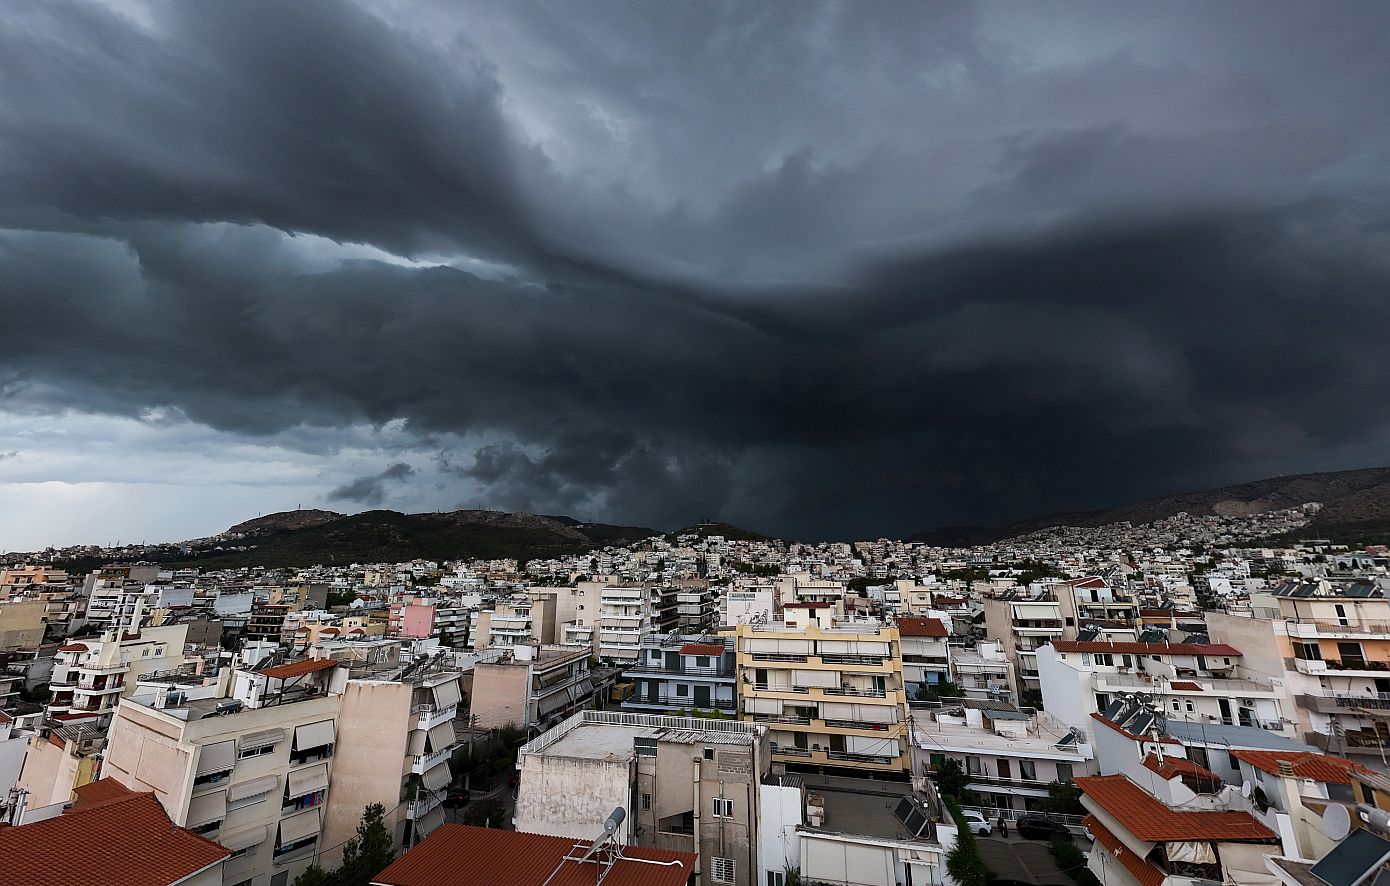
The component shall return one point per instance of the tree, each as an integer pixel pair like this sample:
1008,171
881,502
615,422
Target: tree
938,691
1072,862
314,876
487,812
1063,798
950,778
963,862
369,852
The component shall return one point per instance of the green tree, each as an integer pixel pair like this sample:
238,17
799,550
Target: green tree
951,778
963,862
486,813
1072,862
1063,798
938,691
314,876
368,852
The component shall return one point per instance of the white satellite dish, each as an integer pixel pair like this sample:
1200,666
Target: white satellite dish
1245,789
1336,822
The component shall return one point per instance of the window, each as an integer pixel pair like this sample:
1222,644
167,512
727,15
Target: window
723,807
776,878
1085,658
721,870
1177,706
255,752
1027,770
646,802
709,753
682,690
1064,773
1104,658
1191,708
972,765
702,661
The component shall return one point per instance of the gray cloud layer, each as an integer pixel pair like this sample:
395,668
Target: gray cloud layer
819,269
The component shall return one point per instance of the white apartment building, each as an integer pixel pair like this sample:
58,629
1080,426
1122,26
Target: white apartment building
1023,625
90,676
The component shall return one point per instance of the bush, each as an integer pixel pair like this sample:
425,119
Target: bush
963,862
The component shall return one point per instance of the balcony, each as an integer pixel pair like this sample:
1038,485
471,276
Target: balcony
424,804
768,687
1312,630
427,716
681,670
672,701
420,763
851,690
1346,702
849,659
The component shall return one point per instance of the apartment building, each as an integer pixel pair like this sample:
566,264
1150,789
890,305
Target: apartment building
683,673
90,676
250,769
515,621
926,653
1093,603
105,588
832,696
531,686
1022,625
684,785
748,601
1329,642
1142,841
1009,755
267,621
396,737
984,672
21,624
696,607
1196,682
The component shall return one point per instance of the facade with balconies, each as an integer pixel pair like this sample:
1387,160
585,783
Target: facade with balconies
832,696
1023,625
676,672
90,676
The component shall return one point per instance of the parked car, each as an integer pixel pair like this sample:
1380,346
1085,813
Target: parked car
456,798
977,823
1035,827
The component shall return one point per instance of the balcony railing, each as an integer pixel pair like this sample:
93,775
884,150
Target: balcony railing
851,690
778,656
688,670
860,724
878,759
778,718
667,699
838,658
767,687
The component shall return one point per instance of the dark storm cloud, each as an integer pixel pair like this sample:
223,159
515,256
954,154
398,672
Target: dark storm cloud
1003,321
371,490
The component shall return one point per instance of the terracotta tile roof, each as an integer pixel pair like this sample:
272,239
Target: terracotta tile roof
100,791
1094,581
1185,686
702,649
127,840
74,647
462,855
1135,648
921,627
1151,821
814,604
299,668
1146,872
1171,766
1306,764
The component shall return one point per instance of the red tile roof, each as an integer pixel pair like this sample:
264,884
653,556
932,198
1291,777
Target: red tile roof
127,840
100,791
921,627
299,668
814,604
1172,766
1135,648
702,649
1185,686
1094,581
1146,872
74,647
1151,821
462,855
1306,764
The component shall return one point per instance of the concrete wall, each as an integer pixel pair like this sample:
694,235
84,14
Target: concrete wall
21,625
368,762
1062,694
49,772
571,797
780,814
500,694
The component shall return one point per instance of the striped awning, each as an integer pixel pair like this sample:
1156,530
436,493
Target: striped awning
253,788
263,739
307,780
438,776
218,757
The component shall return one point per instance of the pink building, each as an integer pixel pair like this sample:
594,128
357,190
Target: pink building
417,621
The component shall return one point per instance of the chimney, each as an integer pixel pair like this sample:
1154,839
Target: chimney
1285,769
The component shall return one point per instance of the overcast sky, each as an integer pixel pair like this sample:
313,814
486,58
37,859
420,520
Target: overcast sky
822,270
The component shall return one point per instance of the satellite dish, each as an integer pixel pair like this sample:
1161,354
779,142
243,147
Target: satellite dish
1336,822
1245,789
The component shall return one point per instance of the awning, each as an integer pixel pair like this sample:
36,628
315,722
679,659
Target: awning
244,838
263,739
429,821
313,735
253,788
441,737
549,704
826,679
867,744
446,694
762,705
307,780
438,777
206,808
217,757
299,827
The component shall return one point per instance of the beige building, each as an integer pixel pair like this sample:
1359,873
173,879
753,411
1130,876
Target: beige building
21,624
531,686
250,771
684,784
90,676
832,696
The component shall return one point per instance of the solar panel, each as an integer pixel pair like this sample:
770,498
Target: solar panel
904,807
1354,859
915,822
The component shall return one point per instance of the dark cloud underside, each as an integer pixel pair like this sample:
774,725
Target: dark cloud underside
838,338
